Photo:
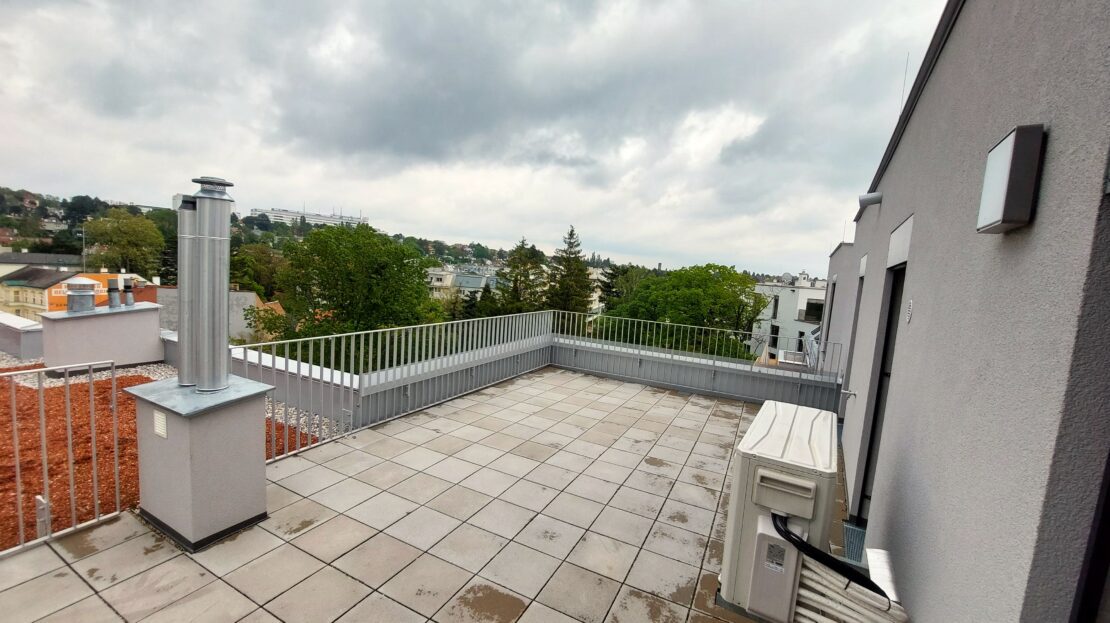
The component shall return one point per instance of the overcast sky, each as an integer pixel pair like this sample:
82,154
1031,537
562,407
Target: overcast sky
732,132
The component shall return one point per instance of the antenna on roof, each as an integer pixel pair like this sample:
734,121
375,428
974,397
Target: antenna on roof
905,74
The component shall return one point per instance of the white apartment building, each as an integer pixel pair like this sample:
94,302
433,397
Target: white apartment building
291,217
794,311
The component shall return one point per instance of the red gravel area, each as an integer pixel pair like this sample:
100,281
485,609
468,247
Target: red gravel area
30,453
279,439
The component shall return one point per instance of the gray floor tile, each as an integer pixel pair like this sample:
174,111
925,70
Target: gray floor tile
377,560
345,494
622,525
604,555
651,483
236,550
129,558
325,452
550,536
674,542
156,588
99,538
28,564
42,595
378,608
636,605
530,495
447,444
478,454
592,488
287,467
259,579
514,465
296,518
420,488
259,616
321,597
89,610
539,613
419,458
502,518
580,593
423,527
639,502
489,481
521,569
459,502
663,577
353,462
311,480
388,448
551,476
687,517
217,601
569,461
573,509
333,538
381,510
385,475
469,547
452,469
278,497
481,601
426,584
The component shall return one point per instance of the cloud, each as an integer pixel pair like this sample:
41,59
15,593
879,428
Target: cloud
664,130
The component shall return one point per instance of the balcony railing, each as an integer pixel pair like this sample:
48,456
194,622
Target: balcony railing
328,386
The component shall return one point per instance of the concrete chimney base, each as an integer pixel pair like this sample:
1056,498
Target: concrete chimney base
202,459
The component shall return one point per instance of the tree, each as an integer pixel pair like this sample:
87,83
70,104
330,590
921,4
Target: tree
620,281
341,279
710,296
125,241
570,286
487,303
80,208
255,267
166,222
63,242
520,283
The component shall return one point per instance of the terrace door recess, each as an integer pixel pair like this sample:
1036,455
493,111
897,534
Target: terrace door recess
894,306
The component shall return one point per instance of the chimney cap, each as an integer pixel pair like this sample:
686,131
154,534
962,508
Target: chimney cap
212,183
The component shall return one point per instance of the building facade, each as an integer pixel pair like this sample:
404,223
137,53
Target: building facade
975,430
794,309
292,218
25,292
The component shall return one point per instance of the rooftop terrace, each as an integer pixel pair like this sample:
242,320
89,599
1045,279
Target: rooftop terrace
552,496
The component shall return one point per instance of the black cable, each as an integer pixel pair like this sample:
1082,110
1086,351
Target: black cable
839,566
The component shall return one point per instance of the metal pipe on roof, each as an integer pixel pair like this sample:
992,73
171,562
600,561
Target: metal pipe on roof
186,207
211,263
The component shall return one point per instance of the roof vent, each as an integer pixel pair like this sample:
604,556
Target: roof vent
80,295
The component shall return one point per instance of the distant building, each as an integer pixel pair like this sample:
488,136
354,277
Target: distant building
12,261
794,310
291,217
443,282
25,292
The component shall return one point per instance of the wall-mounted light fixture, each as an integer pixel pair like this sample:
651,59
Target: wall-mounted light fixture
1011,180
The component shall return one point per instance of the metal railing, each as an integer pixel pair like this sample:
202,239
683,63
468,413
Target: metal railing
710,345
61,469
321,384
329,386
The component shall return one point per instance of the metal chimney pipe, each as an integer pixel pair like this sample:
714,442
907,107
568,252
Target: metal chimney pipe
186,207
212,264
113,292
128,293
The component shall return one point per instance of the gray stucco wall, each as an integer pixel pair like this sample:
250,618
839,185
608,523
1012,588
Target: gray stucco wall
238,302
977,397
21,343
840,309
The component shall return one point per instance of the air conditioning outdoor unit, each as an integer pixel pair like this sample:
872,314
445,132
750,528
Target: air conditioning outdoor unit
786,466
